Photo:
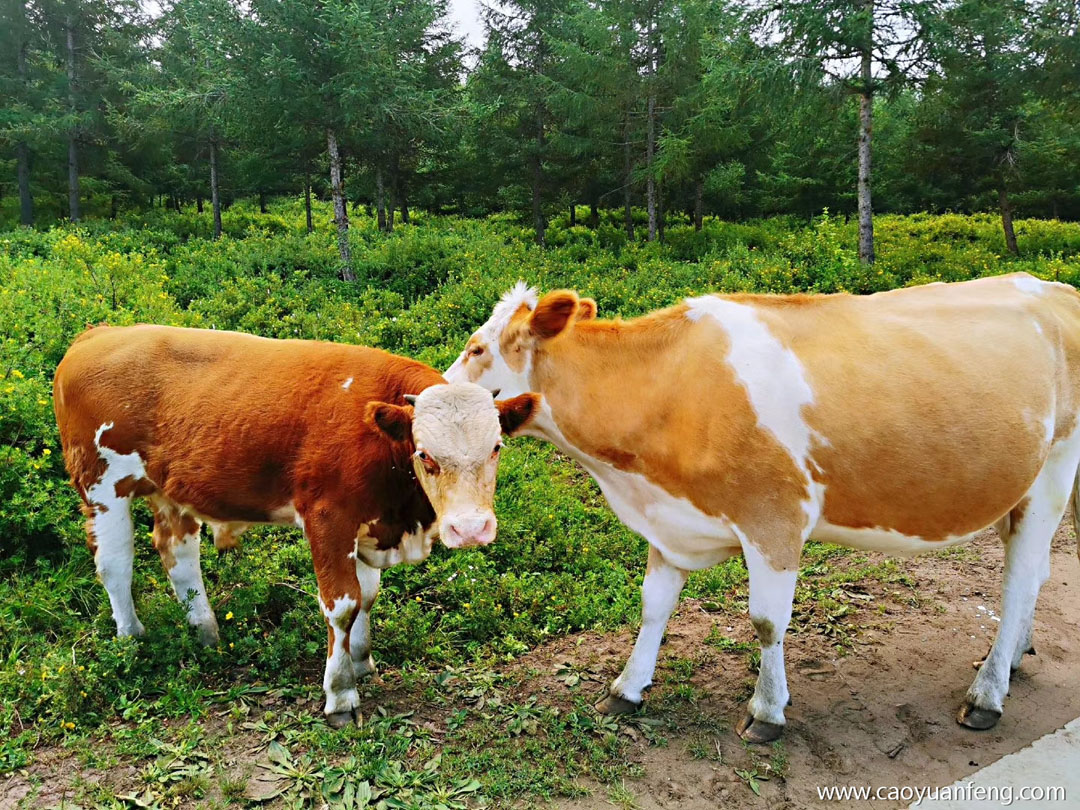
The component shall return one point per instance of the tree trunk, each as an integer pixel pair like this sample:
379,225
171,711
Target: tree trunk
650,181
380,198
866,106
404,207
1007,220
628,171
22,151
199,203
215,194
262,202
699,194
573,215
73,133
26,200
594,213
650,136
113,207
661,213
341,214
392,207
307,205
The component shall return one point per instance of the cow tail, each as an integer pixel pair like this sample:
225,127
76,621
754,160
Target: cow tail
1076,509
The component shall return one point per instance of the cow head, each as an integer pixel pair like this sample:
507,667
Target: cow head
499,354
455,434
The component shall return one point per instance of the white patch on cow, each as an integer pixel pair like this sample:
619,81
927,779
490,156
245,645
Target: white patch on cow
659,595
687,537
347,383
286,515
1048,426
1038,326
1027,567
114,532
1029,284
339,680
887,541
458,427
499,376
187,581
774,380
415,546
360,636
771,595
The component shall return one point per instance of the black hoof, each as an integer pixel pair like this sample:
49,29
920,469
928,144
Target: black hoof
971,716
758,731
614,704
342,719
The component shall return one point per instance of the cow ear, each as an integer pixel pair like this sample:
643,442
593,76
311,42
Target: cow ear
553,313
515,413
393,421
586,309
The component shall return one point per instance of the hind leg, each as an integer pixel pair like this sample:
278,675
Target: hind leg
176,537
1027,567
111,536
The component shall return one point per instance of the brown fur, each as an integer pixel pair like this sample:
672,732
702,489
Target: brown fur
233,427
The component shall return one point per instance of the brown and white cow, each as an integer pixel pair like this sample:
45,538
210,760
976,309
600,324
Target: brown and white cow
902,422
233,430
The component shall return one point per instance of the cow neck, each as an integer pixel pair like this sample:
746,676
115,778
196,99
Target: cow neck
600,377
403,506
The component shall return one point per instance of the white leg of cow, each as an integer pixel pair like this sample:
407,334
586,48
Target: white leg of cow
187,581
333,544
360,637
339,680
1027,566
113,537
659,595
772,592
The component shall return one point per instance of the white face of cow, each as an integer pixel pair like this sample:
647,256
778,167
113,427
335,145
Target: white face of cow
499,355
456,435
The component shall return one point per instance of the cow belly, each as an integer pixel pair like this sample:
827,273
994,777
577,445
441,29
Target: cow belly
886,541
687,537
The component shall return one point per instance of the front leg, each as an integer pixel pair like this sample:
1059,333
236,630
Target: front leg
332,544
659,594
360,637
772,591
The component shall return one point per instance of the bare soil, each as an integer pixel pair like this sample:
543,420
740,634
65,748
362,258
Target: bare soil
883,712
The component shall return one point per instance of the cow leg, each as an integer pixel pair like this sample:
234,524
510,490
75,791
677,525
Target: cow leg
1027,567
333,552
772,592
176,537
111,536
659,594
360,637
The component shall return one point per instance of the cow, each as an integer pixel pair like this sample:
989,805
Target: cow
370,454
902,422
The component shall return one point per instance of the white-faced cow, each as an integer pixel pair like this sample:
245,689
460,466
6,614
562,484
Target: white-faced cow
232,430
901,422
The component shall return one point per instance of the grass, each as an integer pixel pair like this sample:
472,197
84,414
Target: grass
200,727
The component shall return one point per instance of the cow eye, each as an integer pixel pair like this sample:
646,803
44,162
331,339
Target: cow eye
476,351
430,464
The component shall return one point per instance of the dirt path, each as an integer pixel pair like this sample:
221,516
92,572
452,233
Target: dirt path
880,715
